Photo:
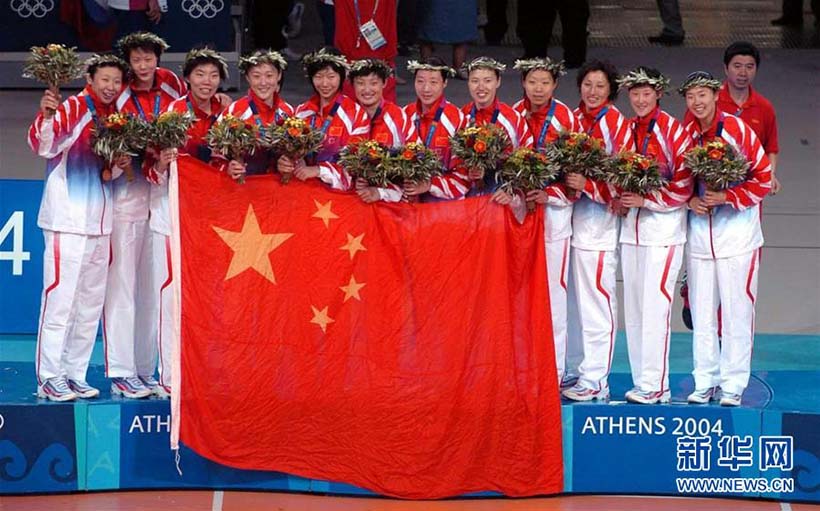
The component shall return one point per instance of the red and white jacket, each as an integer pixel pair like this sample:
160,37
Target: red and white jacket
558,211
391,127
195,146
594,226
253,110
662,219
344,121
734,228
434,129
75,198
131,198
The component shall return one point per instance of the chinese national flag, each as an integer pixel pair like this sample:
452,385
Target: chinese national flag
402,348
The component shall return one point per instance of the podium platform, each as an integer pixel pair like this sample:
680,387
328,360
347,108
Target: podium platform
768,448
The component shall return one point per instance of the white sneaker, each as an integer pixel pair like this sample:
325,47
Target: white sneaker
580,393
643,397
630,392
56,389
568,381
703,396
163,392
131,388
83,389
149,381
729,399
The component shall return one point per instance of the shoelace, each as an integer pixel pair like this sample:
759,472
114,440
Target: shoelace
60,385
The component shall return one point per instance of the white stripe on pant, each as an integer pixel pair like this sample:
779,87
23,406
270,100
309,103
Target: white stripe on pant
75,267
650,273
594,278
161,289
731,284
568,351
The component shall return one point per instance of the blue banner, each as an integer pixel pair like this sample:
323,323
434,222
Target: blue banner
21,256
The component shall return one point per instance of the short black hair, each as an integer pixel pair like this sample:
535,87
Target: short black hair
314,67
146,41
199,60
379,71
434,60
741,48
107,60
605,67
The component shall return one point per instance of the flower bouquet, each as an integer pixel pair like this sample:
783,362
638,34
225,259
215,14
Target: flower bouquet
635,173
365,160
579,153
118,135
526,170
54,65
480,147
718,164
169,130
413,163
295,139
233,138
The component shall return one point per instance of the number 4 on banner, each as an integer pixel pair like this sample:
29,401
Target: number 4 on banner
16,255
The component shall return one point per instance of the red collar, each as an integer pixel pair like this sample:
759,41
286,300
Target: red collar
324,112
540,111
265,111
725,96
102,109
710,132
216,107
432,112
644,121
592,114
488,110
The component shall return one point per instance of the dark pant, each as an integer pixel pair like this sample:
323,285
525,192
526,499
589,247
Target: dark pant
269,18
535,21
327,15
406,22
496,26
670,15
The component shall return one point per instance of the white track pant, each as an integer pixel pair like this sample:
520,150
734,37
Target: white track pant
126,300
731,284
75,267
649,275
594,278
158,327
558,263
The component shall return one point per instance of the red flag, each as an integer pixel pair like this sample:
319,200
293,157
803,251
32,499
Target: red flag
402,348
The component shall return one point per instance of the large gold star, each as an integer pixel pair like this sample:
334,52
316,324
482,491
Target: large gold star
251,247
323,211
352,289
321,318
353,245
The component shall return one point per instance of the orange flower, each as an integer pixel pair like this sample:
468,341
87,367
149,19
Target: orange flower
643,163
373,153
294,131
715,154
480,146
407,154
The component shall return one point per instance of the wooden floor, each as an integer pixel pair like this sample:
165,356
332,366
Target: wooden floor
252,501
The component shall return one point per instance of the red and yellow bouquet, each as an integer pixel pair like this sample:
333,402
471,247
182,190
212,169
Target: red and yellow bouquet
718,164
233,138
118,135
635,173
295,139
482,148
365,160
526,170
579,153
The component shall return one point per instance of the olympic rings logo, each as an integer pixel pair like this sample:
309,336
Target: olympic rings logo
35,8
203,8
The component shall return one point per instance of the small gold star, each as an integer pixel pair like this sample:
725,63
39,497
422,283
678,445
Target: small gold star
321,318
353,245
352,289
251,247
323,211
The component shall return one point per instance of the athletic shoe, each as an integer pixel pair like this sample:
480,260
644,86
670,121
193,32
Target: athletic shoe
163,392
149,382
631,391
666,39
56,389
703,396
568,381
643,397
580,393
131,388
83,389
729,399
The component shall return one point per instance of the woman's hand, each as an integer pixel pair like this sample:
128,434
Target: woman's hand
236,170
